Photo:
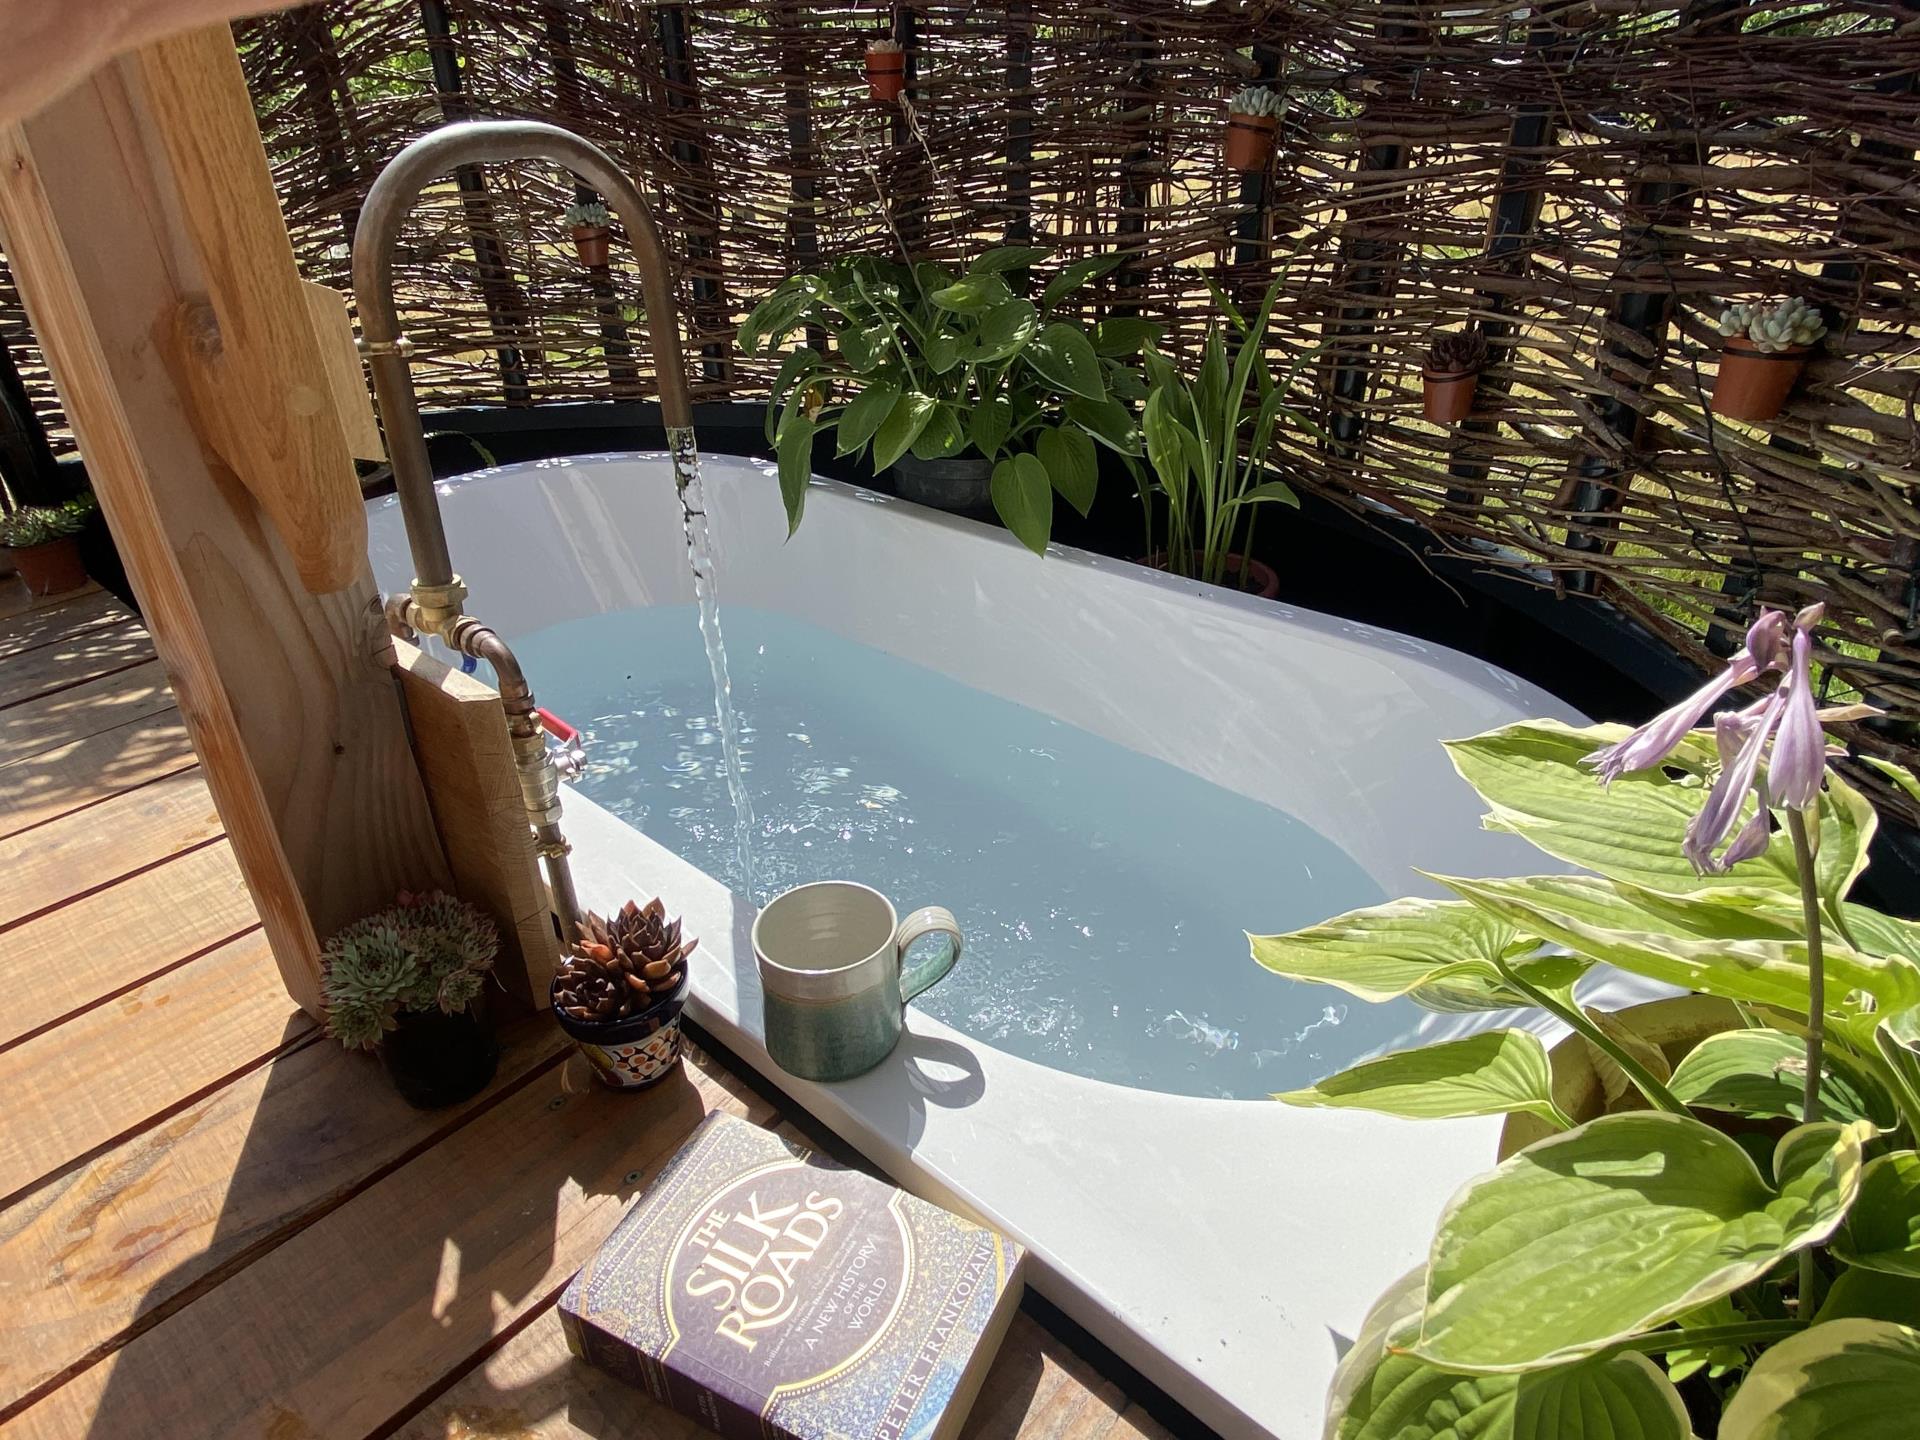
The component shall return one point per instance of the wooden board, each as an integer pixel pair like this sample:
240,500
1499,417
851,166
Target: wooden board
43,787
136,928
28,626
72,659
99,845
132,1235
87,709
466,759
118,1066
346,379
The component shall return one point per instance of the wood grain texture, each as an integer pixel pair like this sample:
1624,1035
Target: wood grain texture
466,760
82,772
27,625
102,843
100,1252
134,929
337,1331
53,720
117,1066
346,377
77,656
287,695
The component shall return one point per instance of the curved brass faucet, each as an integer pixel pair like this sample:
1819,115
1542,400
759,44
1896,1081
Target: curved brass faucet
436,604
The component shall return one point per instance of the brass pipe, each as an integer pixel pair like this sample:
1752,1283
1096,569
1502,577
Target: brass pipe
437,603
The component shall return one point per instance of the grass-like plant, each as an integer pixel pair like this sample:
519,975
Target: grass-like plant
428,951
33,525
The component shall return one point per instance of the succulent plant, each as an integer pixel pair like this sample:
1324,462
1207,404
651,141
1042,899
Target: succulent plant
1774,325
1258,100
883,46
1452,351
621,966
33,525
429,951
587,212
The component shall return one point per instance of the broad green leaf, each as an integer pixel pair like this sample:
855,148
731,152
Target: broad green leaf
972,293
775,315
1584,1239
864,415
1024,500
990,424
1644,932
901,428
1494,1073
1902,777
795,456
1269,490
1166,445
1624,1397
1615,1083
1686,1360
942,351
1872,1295
1896,1037
1531,776
1119,335
1063,357
1073,275
1004,331
1071,466
1762,1074
1842,1380
942,436
1400,948
1107,421
1003,258
865,348
1883,1228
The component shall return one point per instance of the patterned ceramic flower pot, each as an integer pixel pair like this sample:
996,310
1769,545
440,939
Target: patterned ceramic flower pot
633,1053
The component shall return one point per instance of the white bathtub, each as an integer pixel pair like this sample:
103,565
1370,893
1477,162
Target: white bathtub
1225,1248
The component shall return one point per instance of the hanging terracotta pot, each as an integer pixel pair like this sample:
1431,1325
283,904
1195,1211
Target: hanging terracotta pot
1447,395
1753,384
886,75
1250,141
592,244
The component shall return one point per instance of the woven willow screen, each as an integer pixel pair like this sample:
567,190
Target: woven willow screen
1587,181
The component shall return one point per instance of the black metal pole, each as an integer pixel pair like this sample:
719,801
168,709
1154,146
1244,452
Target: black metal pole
683,95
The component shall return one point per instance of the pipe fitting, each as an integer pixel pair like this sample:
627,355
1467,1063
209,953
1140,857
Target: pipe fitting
438,608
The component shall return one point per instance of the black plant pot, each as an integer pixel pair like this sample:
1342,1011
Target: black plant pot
438,1059
961,483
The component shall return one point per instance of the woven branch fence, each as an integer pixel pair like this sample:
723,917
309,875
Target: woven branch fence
1588,182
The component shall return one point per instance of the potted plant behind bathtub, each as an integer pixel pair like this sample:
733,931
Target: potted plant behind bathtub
45,544
970,394
1708,1211
409,981
1207,439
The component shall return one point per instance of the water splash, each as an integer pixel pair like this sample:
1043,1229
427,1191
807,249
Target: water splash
693,508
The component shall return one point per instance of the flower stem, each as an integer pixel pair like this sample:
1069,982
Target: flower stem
1571,1013
1816,1011
1749,1332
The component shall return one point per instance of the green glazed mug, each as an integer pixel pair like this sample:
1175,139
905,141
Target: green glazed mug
834,977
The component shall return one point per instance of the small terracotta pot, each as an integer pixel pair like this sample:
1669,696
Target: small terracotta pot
52,568
1447,395
1753,384
633,1053
1250,142
1260,578
886,75
590,242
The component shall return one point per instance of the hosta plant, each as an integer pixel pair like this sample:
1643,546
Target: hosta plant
922,361
428,951
1733,1250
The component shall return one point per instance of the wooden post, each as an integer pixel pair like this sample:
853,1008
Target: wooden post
120,222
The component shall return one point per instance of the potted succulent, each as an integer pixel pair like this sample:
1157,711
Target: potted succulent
590,225
972,396
619,992
1709,1224
1765,350
886,71
409,982
1207,439
1253,118
43,541
1451,374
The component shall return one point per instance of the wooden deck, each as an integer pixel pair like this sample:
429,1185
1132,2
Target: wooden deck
213,1221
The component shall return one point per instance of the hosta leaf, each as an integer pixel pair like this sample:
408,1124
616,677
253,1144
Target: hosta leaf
989,425
1621,1398
1003,258
1494,1073
1124,335
795,456
1883,1227
1615,1083
1063,357
863,416
1107,421
1583,1239
942,435
1872,1295
866,347
1073,275
902,427
942,351
1386,951
1024,500
1762,1073
1902,777
1841,1380
1003,331
1071,465
971,293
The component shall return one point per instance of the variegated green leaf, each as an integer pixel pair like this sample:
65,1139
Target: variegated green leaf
1762,1073
1494,1073
1405,947
1883,1227
1841,1380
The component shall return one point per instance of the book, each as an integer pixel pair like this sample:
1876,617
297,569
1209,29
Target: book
774,1295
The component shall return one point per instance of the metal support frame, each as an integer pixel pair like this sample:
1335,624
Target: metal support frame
702,244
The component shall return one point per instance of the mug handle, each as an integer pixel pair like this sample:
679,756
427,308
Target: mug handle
926,973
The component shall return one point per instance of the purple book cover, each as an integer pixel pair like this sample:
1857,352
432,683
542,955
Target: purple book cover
769,1293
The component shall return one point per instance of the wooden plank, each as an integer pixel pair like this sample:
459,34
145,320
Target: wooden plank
102,843
336,1331
122,1241
73,658
48,785
113,223
42,625
102,704
466,761
122,1064
134,929
346,379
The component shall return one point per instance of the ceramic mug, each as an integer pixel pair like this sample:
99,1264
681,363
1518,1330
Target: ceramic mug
834,978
